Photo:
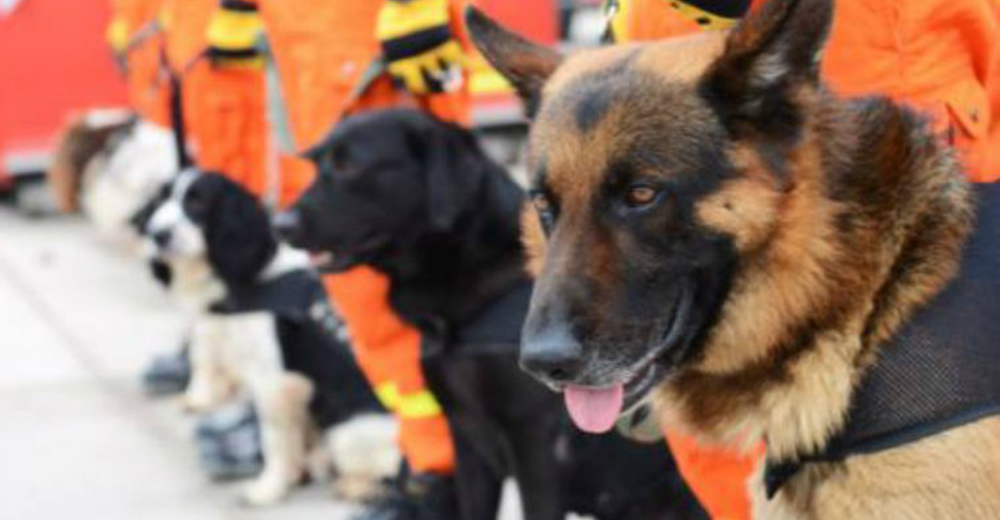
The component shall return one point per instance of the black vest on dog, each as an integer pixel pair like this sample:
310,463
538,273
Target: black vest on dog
940,371
313,342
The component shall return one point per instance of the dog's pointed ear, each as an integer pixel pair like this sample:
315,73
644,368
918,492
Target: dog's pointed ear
767,56
527,65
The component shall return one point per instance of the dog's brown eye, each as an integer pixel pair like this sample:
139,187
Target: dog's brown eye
640,195
546,210
541,202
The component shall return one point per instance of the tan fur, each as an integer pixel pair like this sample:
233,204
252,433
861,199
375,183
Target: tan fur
951,476
582,156
737,394
533,239
745,208
782,282
78,143
681,59
241,351
861,223
786,235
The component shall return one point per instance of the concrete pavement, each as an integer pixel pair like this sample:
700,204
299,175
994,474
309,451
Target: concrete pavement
78,322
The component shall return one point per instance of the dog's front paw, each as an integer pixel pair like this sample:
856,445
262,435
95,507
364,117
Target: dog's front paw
264,492
358,489
192,403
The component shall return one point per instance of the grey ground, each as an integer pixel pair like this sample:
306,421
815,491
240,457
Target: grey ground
79,320
78,440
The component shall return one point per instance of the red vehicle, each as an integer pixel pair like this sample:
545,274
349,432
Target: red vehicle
54,61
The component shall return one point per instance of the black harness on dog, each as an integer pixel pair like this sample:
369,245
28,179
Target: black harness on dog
940,371
313,342
492,330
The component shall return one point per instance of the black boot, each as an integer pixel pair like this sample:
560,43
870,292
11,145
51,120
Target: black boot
229,444
415,496
168,374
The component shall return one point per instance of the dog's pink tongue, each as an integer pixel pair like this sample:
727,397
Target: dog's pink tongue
594,410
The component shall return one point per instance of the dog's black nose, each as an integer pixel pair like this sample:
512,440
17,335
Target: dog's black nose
551,353
287,225
161,238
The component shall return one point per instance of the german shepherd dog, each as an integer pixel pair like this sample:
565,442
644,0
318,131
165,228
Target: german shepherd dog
716,231
416,199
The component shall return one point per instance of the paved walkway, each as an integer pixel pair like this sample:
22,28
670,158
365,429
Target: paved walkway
78,440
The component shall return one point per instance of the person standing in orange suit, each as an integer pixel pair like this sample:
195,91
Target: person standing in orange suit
941,57
222,96
213,49
322,51
137,44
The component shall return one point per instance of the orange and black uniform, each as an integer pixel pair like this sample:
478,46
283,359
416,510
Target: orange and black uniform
138,45
939,56
222,103
223,99
322,49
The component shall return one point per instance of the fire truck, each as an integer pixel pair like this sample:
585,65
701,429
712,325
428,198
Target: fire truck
53,62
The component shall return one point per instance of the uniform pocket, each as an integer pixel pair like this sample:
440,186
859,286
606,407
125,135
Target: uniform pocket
968,113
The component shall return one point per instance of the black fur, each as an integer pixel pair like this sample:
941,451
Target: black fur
139,221
529,72
240,245
775,52
456,269
236,226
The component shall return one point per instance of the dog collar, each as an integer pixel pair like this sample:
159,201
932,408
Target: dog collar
939,372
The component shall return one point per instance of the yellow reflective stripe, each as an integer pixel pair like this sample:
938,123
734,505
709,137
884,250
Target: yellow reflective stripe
165,18
620,23
489,82
234,30
117,34
388,395
704,19
420,405
254,63
397,19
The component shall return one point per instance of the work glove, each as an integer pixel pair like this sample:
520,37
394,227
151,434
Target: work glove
418,45
708,14
712,14
117,35
232,34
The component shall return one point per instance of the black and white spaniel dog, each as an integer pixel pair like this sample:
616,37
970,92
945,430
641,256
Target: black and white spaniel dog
109,163
262,324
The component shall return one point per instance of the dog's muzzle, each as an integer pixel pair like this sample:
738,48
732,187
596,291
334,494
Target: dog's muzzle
551,354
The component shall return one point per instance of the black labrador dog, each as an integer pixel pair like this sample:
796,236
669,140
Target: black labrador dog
417,199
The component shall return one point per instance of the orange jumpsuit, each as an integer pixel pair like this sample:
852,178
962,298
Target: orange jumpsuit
148,94
321,49
223,106
940,56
